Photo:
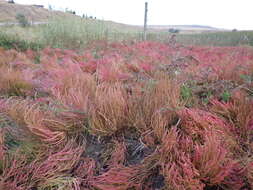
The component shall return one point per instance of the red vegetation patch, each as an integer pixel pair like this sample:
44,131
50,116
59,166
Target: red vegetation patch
127,116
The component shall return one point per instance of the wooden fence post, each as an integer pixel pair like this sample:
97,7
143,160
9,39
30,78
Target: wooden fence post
145,21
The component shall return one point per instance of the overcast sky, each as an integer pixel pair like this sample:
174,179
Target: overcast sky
226,14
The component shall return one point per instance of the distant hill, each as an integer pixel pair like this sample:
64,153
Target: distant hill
201,26
8,12
186,28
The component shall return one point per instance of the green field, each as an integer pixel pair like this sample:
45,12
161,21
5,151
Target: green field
218,38
74,33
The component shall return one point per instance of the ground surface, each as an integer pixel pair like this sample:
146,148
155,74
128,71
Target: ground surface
127,116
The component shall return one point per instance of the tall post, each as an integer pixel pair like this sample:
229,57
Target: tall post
145,21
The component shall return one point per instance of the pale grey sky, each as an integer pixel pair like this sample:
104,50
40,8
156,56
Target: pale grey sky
227,14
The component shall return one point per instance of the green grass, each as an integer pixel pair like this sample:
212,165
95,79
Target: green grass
8,41
76,33
217,39
207,39
72,33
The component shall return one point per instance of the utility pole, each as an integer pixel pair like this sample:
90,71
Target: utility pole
145,22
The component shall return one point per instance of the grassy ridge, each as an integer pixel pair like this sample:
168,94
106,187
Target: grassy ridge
8,12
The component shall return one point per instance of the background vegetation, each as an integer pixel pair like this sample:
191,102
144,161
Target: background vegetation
75,32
